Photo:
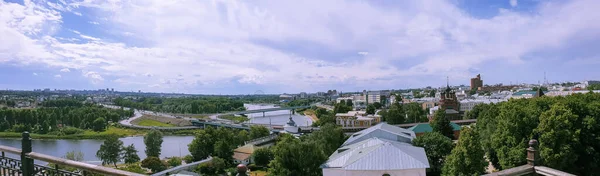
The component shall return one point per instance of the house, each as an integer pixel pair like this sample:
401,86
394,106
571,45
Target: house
243,154
423,128
379,150
356,119
376,156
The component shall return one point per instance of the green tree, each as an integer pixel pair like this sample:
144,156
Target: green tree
174,161
243,136
441,124
349,103
154,164
203,144
110,151
262,156
559,141
216,166
370,109
223,150
99,124
258,131
415,113
130,154
377,105
432,93
134,168
437,147
75,156
286,158
394,115
329,138
467,157
153,141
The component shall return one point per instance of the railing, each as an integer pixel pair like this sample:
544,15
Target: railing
26,166
262,140
187,167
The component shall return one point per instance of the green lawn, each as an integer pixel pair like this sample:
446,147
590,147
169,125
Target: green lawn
236,119
150,122
87,134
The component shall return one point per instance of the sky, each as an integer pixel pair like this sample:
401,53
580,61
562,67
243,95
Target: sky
244,47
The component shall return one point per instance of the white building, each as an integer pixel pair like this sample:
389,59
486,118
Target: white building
290,126
356,119
376,151
303,95
469,104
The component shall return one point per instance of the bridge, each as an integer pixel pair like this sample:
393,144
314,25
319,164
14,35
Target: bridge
26,166
265,110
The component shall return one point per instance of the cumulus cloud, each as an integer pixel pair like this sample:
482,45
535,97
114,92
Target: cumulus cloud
271,43
34,74
513,3
65,70
57,76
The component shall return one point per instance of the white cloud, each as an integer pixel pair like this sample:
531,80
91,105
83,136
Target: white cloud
57,76
94,22
209,43
35,74
513,3
65,70
77,13
94,77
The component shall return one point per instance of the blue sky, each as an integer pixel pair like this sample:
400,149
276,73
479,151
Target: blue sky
239,47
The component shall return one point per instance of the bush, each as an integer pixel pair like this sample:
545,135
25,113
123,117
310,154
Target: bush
188,159
134,168
71,130
19,128
214,167
254,167
154,164
174,162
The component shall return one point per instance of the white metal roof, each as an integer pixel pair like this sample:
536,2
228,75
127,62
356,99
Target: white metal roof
378,154
382,130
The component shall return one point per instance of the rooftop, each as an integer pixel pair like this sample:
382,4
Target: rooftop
424,128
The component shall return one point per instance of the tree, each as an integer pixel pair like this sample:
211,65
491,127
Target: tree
130,154
154,164
258,131
558,140
216,166
377,105
243,136
99,124
262,156
441,124
203,144
174,162
223,150
349,103
153,141
437,147
110,151
467,157
329,138
75,156
134,168
370,109
341,107
414,113
287,154
432,93
394,115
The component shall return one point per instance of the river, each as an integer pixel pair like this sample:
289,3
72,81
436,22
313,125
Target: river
275,117
171,146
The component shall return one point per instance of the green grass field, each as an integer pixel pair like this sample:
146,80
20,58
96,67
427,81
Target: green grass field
150,122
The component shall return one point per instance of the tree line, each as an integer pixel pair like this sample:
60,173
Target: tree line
48,119
183,105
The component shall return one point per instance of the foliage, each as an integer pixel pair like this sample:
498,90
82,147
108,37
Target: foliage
134,168
99,124
188,159
258,131
441,124
394,115
295,157
467,157
377,105
224,150
349,103
536,88
205,143
262,156
62,103
370,109
234,118
154,164
324,117
174,161
474,113
110,151
153,141
216,166
194,105
415,113
75,156
593,87
50,119
130,154
341,107
437,147
328,138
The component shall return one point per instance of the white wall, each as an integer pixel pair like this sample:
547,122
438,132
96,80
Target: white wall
341,172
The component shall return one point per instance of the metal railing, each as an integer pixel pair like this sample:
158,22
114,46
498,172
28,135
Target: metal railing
26,166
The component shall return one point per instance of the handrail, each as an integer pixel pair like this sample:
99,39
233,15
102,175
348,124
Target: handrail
10,150
549,171
182,167
80,165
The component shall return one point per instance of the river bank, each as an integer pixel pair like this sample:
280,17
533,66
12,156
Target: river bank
89,134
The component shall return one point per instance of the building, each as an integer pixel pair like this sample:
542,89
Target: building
356,119
290,126
379,150
285,98
423,128
428,105
469,104
476,82
450,104
303,95
243,154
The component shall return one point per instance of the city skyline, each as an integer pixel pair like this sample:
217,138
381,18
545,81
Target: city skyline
239,47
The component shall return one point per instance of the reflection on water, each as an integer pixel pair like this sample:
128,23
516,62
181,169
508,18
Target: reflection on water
171,146
275,117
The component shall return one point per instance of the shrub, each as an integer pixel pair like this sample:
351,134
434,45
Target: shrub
174,162
71,130
154,164
134,168
188,159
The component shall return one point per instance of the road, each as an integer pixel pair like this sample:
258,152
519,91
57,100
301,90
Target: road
140,113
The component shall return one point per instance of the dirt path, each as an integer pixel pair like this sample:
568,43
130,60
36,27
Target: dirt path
312,115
